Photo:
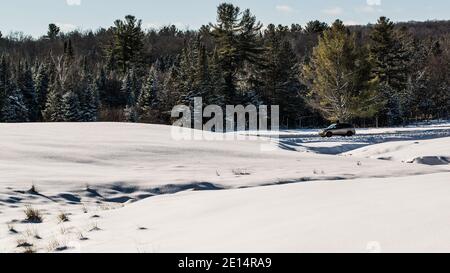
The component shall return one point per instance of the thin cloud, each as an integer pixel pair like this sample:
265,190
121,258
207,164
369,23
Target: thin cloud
66,27
374,2
284,8
372,6
73,2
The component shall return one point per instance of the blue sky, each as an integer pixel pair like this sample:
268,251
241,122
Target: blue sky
33,16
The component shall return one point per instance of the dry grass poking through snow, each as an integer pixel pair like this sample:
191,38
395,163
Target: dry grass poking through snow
63,217
33,215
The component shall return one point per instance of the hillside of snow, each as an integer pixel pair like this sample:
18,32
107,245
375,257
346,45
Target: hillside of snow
134,188
429,152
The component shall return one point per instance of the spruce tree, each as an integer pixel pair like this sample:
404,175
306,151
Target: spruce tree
390,60
88,96
278,76
5,76
53,111
217,81
25,83
70,107
14,108
147,106
169,94
130,92
92,104
42,82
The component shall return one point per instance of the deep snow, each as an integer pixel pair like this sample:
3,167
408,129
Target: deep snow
369,194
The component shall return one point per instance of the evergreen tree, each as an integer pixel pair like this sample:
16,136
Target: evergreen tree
337,76
5,76
147,106
280,84
92,104
42,81
169,94
53,111
88,96
25,83
70,107
130,92
236,37
313,27
390,61
218,84
14,108
127,45
53,31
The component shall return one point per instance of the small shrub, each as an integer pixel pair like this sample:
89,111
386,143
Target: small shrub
33,215
23,243
63,217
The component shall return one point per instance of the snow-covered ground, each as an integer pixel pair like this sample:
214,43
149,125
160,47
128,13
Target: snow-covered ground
133,188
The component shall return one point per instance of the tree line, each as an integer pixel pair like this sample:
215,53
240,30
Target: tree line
381,74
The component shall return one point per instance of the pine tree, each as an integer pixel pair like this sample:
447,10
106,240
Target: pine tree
130,92
5,76
148,104
313,27
53,31
169,95
390,60
42,81
14,108
92,104
70,107
236,36
195,74
25,83
53,111
278,77
338,80
127,45
218,84
88,96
